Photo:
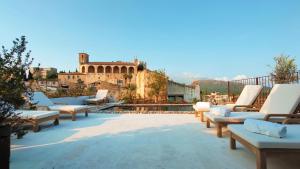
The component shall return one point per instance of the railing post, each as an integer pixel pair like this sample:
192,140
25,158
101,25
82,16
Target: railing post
228,90
256,81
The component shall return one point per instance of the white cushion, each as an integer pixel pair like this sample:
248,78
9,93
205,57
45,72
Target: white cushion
202,106
234,116
93,100
292,139
283,99
72,108
249,95
41,99
101,94
36,114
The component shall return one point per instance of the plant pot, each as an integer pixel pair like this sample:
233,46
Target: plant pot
5,146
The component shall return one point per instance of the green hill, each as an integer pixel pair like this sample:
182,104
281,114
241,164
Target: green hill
209,86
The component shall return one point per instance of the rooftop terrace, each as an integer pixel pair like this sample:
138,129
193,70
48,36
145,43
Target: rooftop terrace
135,141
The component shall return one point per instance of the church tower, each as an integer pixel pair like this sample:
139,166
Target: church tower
83,58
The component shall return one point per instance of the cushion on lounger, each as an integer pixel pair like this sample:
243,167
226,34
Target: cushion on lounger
101,94
68,107
202,106
234,116
283,99
36,114
249,94
292,139
41,99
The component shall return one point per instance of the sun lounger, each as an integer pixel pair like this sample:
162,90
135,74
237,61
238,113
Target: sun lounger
42,100
261,145
36,117
100,97
245,100
281,102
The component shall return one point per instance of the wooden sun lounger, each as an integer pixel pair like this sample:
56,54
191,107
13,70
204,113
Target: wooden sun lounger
262,152
43,102
281,103
35,121
244,101
73,113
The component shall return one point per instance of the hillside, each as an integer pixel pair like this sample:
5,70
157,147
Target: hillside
209,86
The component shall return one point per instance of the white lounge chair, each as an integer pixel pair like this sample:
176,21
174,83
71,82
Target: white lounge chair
100,97
261,145
245,100
42,100
35,117
281,102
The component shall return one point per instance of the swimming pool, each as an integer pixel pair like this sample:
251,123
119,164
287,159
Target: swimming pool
151,108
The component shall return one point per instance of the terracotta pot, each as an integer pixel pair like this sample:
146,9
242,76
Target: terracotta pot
5,146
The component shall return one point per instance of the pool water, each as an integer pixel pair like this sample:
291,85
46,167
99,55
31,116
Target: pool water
152,108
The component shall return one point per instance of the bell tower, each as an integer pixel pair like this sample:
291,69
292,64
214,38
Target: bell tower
83,58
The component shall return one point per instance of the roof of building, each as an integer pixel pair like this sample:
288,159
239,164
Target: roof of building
72,73
181,84
112,63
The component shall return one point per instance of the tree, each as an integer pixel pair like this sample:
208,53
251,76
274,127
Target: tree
13,65
130,93
285,69
52,75
158,84
127,76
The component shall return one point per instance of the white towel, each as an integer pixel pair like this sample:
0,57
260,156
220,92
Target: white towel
265,128
202,106
220,111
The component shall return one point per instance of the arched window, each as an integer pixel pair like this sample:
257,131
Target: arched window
131,70
91,69
116,69
83,69
123,69
100,69
107,69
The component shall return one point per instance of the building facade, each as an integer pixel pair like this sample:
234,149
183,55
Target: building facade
42,73
182,92
118,72
115,75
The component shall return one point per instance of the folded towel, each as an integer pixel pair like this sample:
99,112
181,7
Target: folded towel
265,128
202,106
220,111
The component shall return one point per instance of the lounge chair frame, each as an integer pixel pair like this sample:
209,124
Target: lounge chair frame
261,153
268,117
247,108
73,113
36,122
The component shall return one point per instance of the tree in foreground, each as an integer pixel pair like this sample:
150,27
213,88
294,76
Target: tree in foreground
14,64
285,70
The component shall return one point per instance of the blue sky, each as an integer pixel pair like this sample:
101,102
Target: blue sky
189,39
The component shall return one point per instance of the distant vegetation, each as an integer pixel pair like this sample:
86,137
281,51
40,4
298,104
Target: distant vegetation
209,86
285,69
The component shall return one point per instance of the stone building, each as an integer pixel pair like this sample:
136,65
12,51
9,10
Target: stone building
42,73
115,75
117,72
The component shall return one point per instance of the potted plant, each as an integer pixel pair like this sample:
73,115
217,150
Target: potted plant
14,64
285,70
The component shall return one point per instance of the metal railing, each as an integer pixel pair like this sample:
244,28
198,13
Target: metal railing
236,86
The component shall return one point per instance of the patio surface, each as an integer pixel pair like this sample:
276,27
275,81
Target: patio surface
134,141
